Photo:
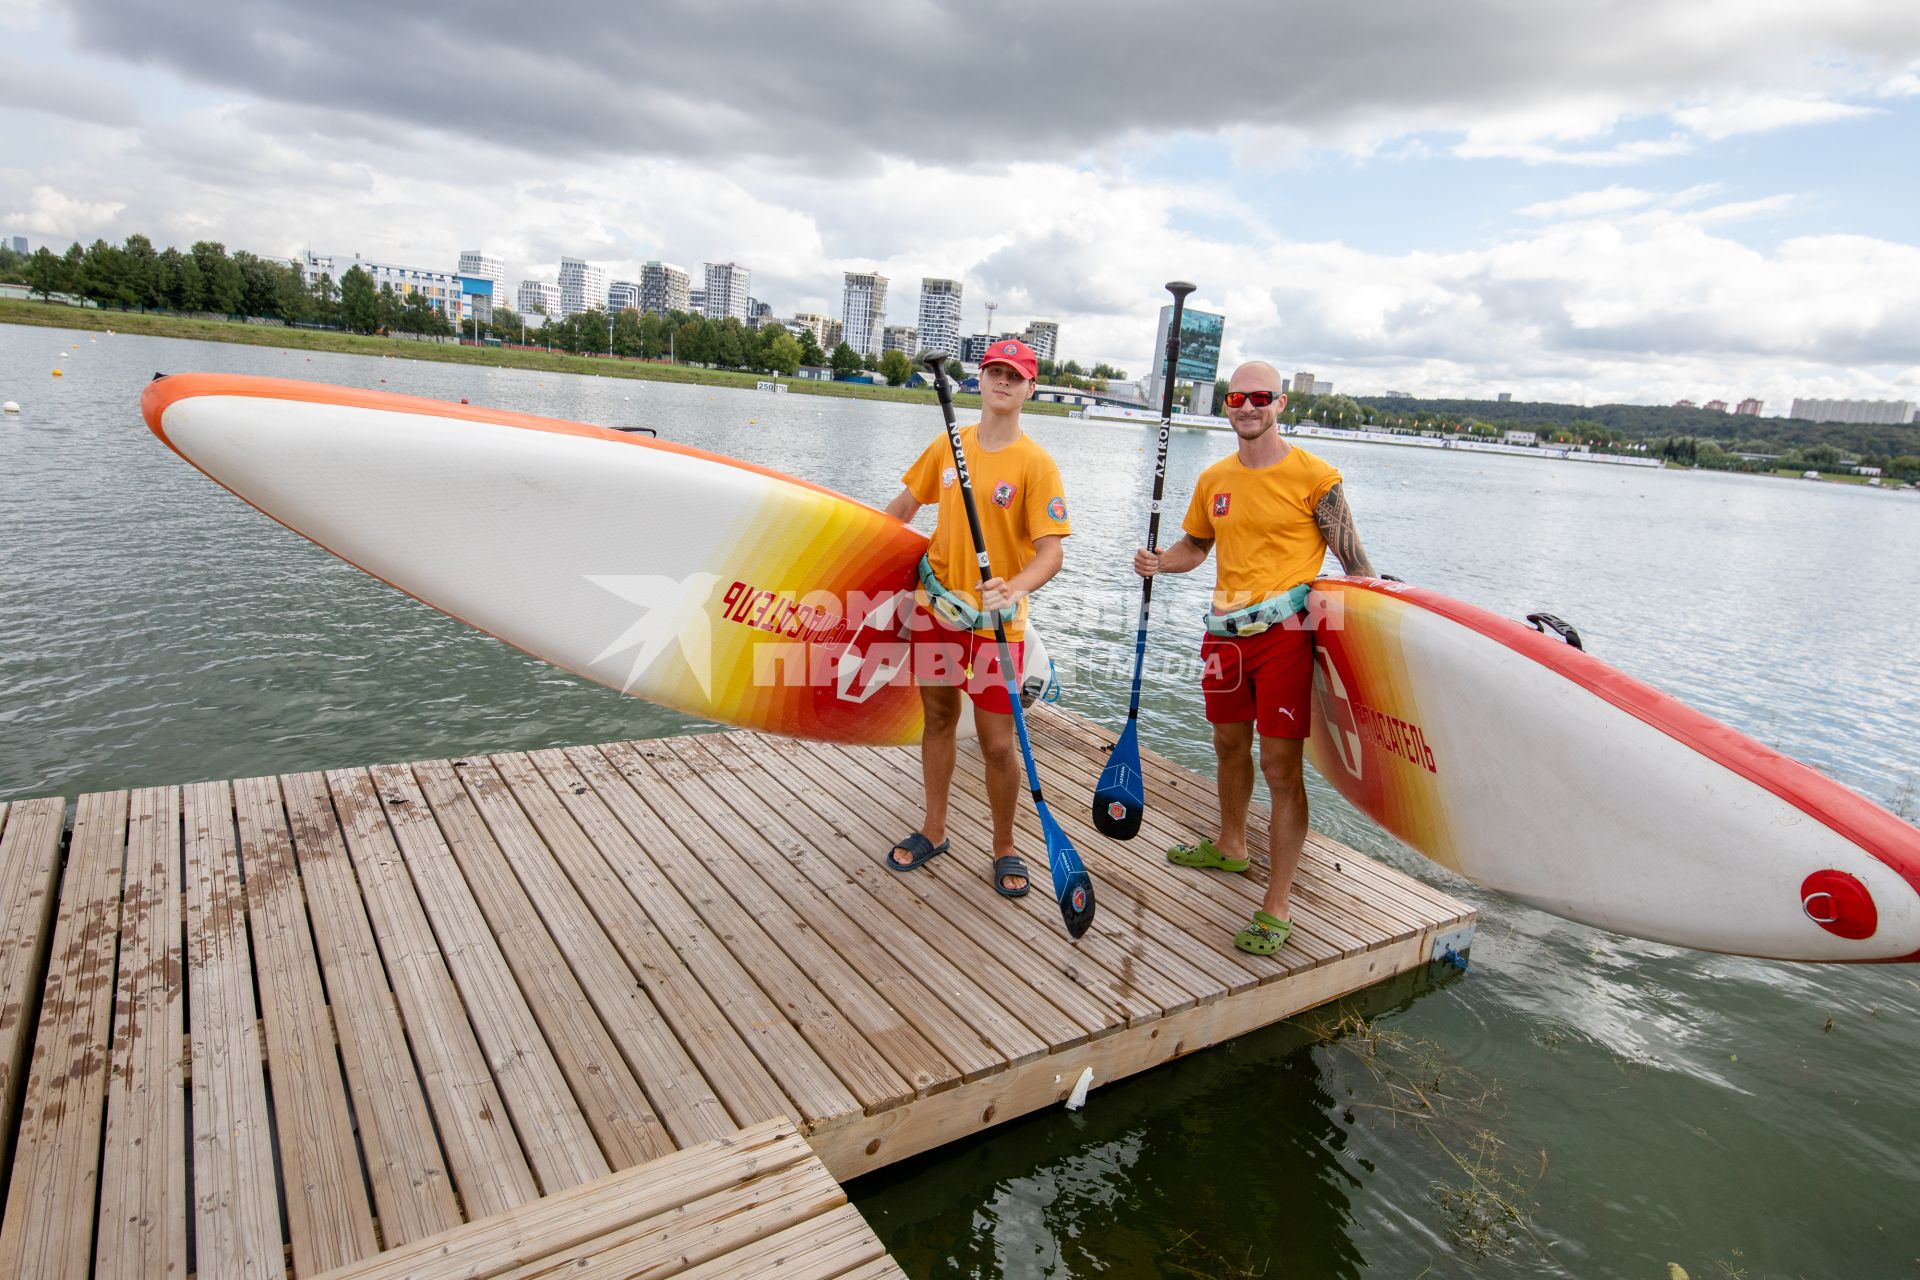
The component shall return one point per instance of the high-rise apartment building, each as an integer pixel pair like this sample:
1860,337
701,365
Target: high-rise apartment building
900,337
1044,337
622,294
537,298
663,288
476,264
833,333
1715,406
863,311
697,301
1303,384
1749,405
583,286
1883,413
758,313
940,316
19,244
726,291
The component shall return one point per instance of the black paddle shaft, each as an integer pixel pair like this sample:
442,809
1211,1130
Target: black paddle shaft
944,390
1179,289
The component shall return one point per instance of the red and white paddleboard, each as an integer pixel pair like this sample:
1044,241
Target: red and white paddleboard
1536,769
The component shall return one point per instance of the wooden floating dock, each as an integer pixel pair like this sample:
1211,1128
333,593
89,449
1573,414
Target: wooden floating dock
573,1008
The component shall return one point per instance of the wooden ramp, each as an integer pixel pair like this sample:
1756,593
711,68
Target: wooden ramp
759,1203
292,1022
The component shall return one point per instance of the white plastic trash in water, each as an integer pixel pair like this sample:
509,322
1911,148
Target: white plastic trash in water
9,407
1078,1098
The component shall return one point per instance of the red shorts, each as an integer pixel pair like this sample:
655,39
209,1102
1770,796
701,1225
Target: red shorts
957,659
1267,679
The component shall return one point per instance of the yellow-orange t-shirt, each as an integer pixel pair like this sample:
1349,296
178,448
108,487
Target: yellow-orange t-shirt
1266,540
1020,499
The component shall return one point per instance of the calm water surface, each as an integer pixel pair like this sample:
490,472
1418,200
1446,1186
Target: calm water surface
1575,1104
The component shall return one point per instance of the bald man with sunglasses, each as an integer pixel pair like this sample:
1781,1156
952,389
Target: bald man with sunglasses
1274,510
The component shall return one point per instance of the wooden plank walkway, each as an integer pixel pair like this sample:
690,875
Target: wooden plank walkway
288,1025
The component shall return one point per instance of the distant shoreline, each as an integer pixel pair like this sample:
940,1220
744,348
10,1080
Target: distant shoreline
96,319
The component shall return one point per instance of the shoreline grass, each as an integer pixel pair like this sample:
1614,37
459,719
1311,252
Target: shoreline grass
147,324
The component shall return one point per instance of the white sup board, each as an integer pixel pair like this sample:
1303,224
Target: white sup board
1531,767
705,584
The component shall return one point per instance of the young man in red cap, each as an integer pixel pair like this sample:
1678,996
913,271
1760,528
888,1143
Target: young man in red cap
1275,510
1023,514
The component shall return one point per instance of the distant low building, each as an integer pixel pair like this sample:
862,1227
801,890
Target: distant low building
1505,397
1715,406
1749,406
1520,437
814,373
441,289
900,337
1884,413
1685,404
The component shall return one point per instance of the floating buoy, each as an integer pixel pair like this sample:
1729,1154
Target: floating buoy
58,374
11,406
463,399
753,422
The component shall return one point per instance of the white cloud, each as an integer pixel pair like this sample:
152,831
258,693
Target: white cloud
1587,203
1717,120
56,215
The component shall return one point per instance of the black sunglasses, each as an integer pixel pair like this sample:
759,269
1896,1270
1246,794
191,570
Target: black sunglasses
1260,399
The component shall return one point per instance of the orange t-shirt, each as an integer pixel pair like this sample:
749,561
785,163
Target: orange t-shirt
1266,539
1020,499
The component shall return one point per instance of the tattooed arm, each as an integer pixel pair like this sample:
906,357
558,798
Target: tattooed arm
1335,519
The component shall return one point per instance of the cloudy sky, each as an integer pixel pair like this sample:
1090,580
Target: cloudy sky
1638,200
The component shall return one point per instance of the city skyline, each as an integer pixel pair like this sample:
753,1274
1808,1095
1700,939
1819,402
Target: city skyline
1526,201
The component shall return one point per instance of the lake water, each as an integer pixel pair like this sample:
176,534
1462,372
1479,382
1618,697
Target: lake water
1576,1103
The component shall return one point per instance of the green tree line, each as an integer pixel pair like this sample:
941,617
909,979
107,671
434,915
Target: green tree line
207,279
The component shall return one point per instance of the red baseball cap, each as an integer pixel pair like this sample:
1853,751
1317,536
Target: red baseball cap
1015,354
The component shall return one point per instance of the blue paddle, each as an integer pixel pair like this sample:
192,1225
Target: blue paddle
1120,797
1072,886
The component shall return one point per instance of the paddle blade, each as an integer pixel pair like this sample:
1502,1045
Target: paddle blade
1072,886
1119,798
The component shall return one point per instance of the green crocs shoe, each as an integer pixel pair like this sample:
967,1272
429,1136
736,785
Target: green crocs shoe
1204,853
1266,935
